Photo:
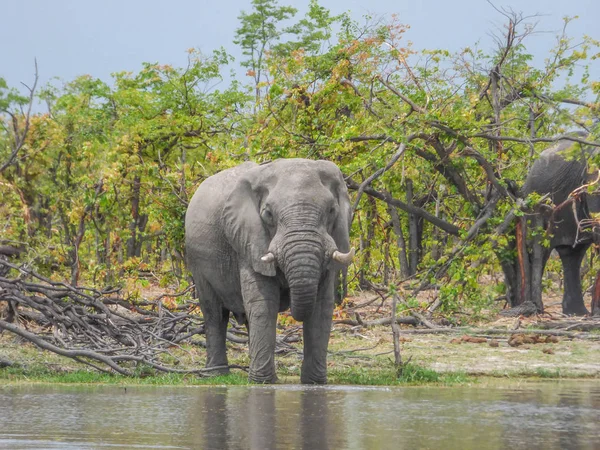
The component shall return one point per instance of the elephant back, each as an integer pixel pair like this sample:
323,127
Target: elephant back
558,171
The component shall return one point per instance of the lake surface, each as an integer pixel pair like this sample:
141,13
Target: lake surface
550,415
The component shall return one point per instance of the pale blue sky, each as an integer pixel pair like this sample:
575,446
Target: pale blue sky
75,37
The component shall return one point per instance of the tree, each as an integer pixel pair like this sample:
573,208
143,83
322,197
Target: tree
460,125
110,169
434,145
257,32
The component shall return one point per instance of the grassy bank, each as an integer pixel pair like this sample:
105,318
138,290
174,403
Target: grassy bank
358,356
410,375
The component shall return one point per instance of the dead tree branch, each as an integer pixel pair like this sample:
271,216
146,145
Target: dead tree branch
442,224
378,173
95,327
20,131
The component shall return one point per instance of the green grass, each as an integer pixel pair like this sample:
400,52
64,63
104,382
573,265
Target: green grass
541,373
547,373
44,375
352,361
411,374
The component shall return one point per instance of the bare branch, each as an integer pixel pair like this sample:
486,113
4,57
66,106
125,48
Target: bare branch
404,98
442,224
562,137
21,135
378,173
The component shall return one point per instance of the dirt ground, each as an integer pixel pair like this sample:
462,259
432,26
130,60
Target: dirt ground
502,347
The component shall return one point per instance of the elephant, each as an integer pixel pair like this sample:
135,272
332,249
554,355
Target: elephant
260,239
559,170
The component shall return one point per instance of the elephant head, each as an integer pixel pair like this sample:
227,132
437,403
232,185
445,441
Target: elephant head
293,215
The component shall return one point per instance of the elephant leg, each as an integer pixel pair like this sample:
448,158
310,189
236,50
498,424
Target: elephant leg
216,318
316,336
571,259
261,302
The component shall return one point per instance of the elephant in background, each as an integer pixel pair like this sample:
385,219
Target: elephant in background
261,239
558,171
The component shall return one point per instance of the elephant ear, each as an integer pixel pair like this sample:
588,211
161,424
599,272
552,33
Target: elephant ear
243,226
332,176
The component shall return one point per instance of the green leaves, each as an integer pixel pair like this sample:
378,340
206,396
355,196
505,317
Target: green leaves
114,164
10,99
259,29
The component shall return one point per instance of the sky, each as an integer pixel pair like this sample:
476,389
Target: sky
69,38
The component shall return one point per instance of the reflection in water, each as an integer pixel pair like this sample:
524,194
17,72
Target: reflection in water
532,415
264,418
213,417
314,420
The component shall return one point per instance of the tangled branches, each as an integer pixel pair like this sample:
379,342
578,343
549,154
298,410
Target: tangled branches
94,327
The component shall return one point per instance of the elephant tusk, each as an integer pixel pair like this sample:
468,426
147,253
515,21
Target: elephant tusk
344,258
268,258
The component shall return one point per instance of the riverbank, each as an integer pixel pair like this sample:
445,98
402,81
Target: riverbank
359,355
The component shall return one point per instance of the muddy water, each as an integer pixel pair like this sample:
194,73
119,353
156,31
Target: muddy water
552,415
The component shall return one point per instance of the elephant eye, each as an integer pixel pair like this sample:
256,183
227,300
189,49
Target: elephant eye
267,216
332,211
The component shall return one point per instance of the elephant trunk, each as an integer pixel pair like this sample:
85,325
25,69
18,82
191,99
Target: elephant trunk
303,263
302,302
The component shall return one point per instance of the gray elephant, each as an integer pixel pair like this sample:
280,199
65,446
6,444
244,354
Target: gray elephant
560,170
263,238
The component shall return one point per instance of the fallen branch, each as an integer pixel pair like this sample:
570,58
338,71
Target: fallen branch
92,326
354,350
499,331
582,325
372,323
76,354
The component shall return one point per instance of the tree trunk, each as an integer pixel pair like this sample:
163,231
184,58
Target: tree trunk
523,263
413,232
138,221
386,258
523,275
436,251
396,334
595,310
367,242
341,286
402,259
537,263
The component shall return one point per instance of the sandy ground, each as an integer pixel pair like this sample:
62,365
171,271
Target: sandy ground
484,352
576,354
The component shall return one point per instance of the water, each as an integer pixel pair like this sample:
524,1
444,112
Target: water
552,415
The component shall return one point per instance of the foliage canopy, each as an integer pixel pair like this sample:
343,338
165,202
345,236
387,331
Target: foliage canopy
434,145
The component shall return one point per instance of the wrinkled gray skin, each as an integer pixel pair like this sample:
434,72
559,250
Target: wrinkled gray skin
298,210
553,174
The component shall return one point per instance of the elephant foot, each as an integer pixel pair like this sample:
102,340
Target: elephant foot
577,310
5,363
262,379
313,371
312,379
524,309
